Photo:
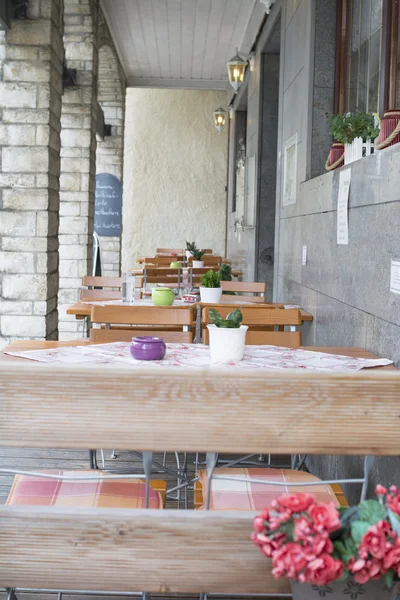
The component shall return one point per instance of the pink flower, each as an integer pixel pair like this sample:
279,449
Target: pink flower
393,503
392,559
323,570
317,545
268,544
380,490
364,570
325,517
374,541
289,561
296,503
259,524
302,528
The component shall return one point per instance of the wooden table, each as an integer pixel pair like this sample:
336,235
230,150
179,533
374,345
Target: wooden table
82,310
44,344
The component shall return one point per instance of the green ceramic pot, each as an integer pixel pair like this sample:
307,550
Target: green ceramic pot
162,296
175,265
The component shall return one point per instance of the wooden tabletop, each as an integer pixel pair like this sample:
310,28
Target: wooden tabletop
22,345
82,310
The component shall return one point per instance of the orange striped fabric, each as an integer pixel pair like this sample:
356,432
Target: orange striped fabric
121,493
246,495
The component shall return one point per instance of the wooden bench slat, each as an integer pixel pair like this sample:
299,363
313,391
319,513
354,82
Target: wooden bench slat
157,551
164,409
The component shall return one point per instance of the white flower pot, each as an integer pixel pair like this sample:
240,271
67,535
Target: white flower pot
198,264
212,295
188,254
227,345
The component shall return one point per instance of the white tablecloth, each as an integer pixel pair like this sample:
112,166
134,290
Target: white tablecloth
198,356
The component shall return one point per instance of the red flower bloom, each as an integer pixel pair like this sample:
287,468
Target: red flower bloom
325,517
374,541
288,560
259,524
380,490
392,559
393,503
317,545
296,503
364,570
302,528
323,570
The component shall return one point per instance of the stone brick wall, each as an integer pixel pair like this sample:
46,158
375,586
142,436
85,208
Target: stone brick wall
31,55
89,49
109,156
78,158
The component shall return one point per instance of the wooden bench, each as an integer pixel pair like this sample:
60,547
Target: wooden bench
173,551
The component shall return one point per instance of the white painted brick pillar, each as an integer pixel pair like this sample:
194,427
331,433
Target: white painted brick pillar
109,155
31,55
78,158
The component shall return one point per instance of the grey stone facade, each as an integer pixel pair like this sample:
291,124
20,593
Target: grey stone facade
30,103
47,191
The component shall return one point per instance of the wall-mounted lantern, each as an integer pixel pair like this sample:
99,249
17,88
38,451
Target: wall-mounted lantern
219,118
268,4
236,69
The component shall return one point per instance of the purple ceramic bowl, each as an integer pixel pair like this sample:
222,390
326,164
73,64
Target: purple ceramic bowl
148,348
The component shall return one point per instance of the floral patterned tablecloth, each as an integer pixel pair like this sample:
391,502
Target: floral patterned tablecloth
198,356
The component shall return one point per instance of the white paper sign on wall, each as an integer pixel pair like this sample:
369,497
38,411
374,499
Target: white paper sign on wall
290,171
304,255
395,277
343,208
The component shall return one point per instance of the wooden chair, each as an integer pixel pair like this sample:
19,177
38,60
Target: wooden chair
158,261
162,276
169,251
210,260
100,288
246,290
52,407
262,322
122,323
92,293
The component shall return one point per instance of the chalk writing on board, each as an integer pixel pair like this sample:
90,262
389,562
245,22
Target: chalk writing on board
108,205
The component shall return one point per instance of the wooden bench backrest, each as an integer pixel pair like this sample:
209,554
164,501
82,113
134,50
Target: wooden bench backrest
158,261
166,322
165,409
209,259
261,322
244,287
101,282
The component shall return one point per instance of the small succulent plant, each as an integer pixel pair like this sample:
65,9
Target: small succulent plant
233,320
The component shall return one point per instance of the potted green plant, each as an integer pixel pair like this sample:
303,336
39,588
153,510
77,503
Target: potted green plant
190,248
210,287
357,132
227,336
197,263
337,553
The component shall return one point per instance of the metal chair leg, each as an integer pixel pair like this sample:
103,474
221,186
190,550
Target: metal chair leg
93,459
113,454
11,595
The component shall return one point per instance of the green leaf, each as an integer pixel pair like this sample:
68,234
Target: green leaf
358,530
215,317
371,511
235,317
389,577
394,521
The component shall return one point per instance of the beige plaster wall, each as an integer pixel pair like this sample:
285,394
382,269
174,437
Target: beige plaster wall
175,169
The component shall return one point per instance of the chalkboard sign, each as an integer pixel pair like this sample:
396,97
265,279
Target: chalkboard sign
108,205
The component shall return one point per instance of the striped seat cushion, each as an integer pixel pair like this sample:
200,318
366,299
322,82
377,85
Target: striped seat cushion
121,493
246,495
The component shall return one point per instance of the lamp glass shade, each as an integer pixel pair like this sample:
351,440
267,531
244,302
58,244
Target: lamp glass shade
236,69
219,118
